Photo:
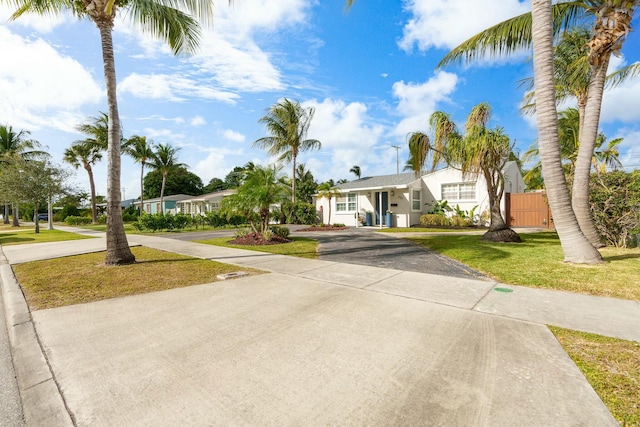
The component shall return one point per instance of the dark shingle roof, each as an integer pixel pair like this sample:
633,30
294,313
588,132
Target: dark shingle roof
380,181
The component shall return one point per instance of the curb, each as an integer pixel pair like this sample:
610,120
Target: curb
42,402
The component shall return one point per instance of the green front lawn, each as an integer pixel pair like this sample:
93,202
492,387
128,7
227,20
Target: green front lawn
537,262
28,235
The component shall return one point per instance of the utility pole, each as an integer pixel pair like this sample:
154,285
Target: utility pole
397,147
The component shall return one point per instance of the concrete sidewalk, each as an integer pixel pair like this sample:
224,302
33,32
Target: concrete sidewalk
311,343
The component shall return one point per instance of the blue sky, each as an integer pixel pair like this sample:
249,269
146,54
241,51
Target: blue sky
369,74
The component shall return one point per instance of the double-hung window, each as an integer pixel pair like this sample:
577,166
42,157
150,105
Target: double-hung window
347,202
458,192
416,200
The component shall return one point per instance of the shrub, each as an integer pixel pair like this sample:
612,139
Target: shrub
77,220
102,219
435,220
68,210
460,221
615,204
243,232
280,231
267,234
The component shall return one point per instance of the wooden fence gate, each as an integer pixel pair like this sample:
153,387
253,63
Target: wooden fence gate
528,210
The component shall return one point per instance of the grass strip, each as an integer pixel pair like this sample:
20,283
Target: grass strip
612,367
29,236
301,246
85,278
537,262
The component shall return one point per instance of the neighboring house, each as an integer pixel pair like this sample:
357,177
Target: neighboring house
201,205
124,204
409,196
152,206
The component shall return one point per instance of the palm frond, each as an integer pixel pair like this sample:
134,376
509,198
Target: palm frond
509,36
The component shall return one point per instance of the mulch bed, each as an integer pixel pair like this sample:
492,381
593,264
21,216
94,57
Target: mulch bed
325,228
256,239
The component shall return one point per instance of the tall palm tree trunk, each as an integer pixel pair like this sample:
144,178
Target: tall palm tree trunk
92,187
588,136
118,251
293,180
164,181
142,189
575,245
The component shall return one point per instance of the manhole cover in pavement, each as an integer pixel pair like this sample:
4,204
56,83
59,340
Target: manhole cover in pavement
505,290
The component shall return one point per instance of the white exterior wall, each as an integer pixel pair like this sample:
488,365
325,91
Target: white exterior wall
431,191
433,182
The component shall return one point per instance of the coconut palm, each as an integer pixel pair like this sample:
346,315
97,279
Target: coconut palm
327,190
85,153
141,150
288,122
568,124
573,77
17,143
612,24
174,22
575,245
165,159
356,171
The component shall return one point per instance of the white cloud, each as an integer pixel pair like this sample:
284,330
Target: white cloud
33,97
197,121
232,135
229,56
171,88
346,135
447,23
621,103
417,101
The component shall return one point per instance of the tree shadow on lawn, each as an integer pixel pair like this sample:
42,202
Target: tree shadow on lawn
621,257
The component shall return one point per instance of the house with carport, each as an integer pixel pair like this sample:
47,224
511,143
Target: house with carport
407,196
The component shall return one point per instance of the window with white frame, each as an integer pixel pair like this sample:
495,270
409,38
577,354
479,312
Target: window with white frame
416,200
347,202
462,191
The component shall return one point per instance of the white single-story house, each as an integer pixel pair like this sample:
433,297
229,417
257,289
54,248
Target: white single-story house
153,206
408,196
203,204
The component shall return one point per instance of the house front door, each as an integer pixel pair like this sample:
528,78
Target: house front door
381,209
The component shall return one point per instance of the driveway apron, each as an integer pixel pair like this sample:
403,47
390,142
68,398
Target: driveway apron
366,247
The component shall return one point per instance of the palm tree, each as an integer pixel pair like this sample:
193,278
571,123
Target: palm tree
612,26
165,159
607,157
568,130
479,151
288,122
174,22
327,190
16,143
85,153
575,245
573,76
141,150
356,171
419,149
261,188
98,129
